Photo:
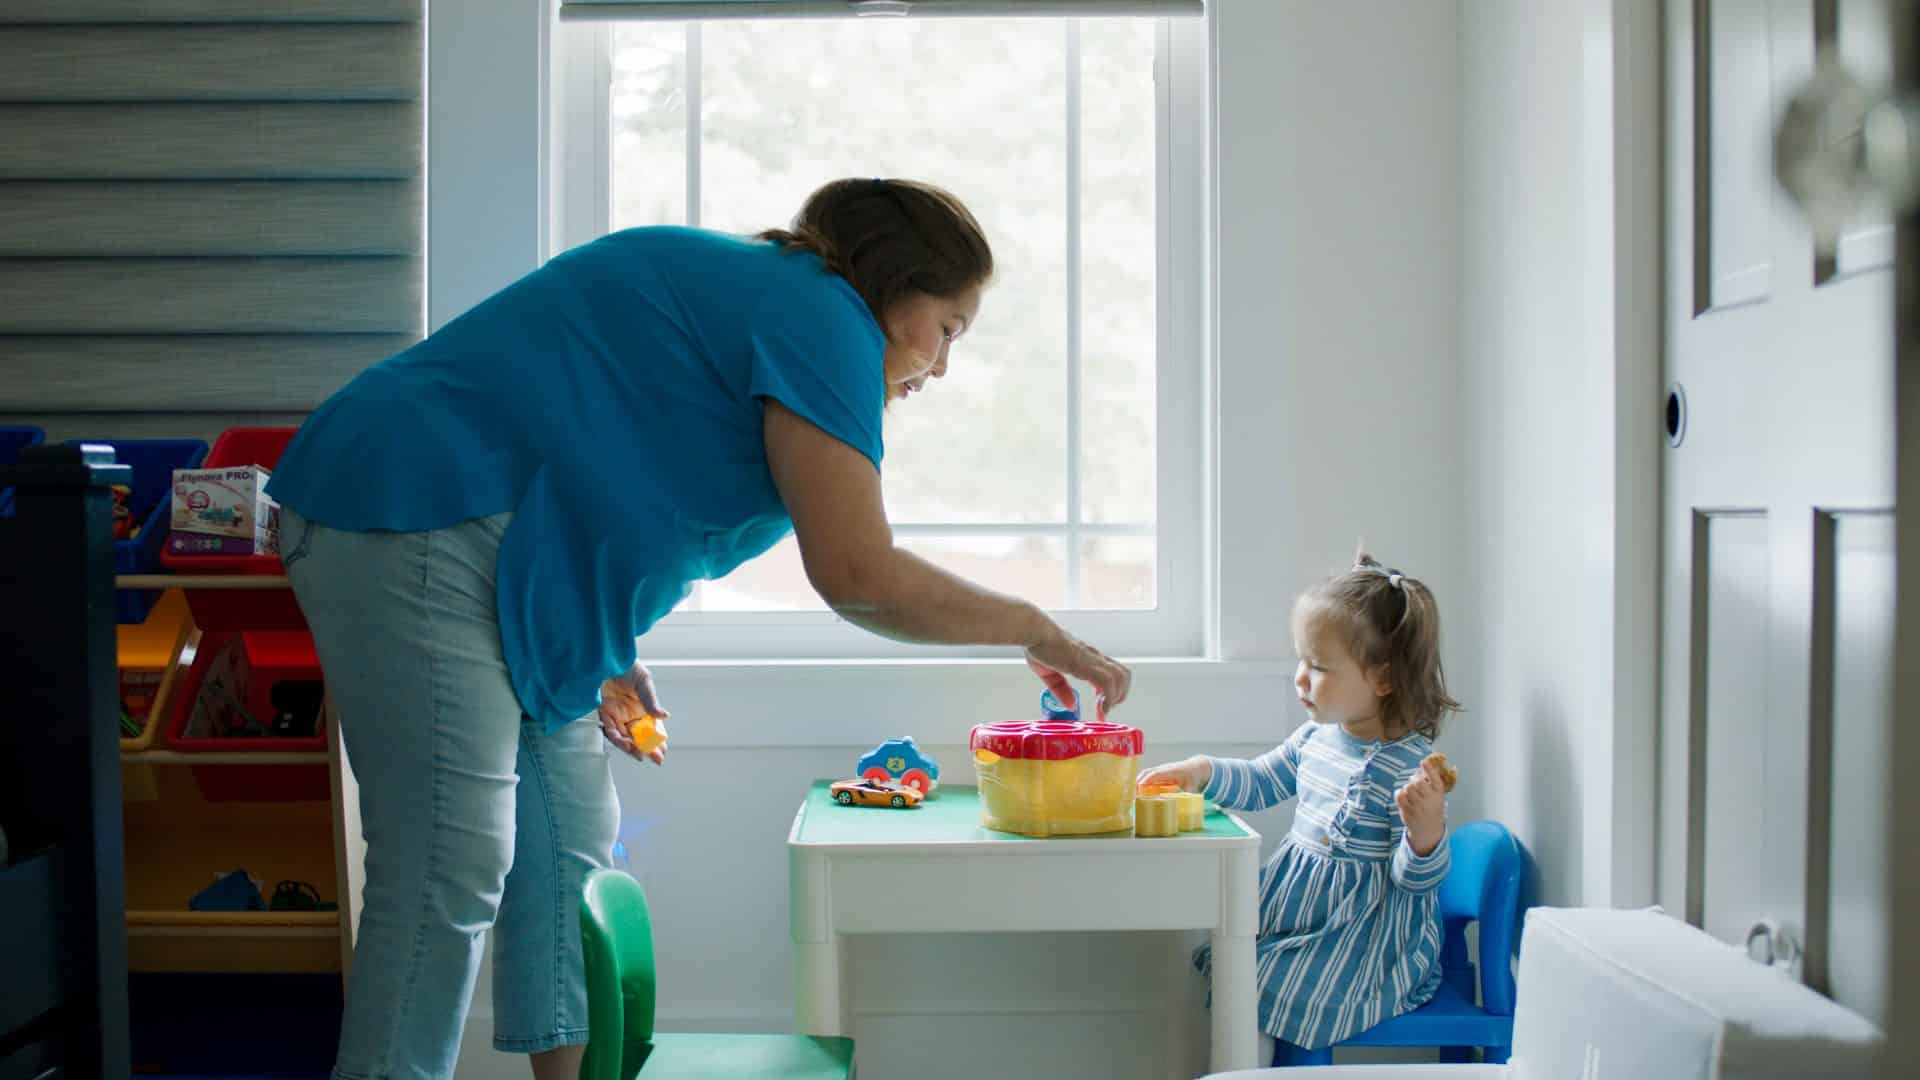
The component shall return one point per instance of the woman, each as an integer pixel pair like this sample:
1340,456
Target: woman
480,527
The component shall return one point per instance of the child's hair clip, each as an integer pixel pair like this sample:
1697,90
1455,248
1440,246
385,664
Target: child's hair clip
1368,565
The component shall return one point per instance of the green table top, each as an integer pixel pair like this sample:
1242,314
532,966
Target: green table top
952,816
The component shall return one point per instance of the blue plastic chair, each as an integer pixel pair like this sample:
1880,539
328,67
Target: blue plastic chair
1483,885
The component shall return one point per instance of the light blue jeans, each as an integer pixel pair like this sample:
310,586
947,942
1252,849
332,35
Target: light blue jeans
474,818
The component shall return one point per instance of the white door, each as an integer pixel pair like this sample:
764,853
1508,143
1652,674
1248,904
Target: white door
1777,579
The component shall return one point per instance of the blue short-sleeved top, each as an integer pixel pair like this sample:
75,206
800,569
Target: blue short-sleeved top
612,399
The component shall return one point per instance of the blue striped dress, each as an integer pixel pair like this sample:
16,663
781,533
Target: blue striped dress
1349,916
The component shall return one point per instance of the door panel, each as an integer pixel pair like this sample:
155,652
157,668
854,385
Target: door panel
1730,633
1735,117
1852,721
1775,617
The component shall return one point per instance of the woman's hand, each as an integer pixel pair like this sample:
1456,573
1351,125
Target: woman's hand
622,701
1423,807
1061,654
832,493
1193,774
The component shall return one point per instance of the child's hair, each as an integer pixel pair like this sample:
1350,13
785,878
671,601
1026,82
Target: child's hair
891,238
1390,619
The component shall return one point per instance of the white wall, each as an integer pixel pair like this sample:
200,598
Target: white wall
1520,348
1338,180
1558,399
1337,259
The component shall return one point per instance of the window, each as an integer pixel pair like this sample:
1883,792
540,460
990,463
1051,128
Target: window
1061,458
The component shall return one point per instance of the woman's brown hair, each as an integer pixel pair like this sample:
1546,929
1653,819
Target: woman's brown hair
891,238
1389,621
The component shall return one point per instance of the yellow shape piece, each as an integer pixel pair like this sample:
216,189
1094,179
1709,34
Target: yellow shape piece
649,733
1191,807
1091,793
1156,815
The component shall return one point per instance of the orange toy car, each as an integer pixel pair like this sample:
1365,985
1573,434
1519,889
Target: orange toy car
864,792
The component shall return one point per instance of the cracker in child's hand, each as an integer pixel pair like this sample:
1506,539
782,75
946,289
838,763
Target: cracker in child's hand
1449,775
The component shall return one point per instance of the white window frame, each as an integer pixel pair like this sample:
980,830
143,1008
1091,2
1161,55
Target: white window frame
1181,624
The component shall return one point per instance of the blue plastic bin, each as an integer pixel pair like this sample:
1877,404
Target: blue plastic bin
13,439
153,462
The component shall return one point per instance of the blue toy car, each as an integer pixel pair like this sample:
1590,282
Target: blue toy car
900,761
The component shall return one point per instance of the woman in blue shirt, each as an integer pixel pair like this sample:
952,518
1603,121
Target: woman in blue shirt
480,527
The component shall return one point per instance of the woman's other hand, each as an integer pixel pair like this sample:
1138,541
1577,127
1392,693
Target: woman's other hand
622,701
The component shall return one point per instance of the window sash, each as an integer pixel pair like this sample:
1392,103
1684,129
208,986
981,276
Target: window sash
1177,626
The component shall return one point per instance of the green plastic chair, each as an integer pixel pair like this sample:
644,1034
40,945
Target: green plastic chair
617,938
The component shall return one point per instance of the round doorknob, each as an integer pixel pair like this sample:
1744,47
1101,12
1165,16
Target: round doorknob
1890,151
1821,150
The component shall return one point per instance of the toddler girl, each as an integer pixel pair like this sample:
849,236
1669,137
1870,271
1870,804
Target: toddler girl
1349,918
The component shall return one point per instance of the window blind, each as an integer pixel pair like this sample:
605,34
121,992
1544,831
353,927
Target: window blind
206,206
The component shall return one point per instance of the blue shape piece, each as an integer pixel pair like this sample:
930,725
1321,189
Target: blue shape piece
234,891
898,757
1051,709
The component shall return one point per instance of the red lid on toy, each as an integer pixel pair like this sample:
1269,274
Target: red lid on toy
1056,740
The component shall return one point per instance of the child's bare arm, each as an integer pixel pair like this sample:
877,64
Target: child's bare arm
1189,775
1240,783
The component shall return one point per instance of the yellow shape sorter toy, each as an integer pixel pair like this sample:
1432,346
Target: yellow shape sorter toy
1056,777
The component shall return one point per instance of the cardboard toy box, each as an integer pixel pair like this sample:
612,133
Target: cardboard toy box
223,512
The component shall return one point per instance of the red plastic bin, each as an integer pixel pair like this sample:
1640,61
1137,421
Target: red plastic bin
241,609
273,657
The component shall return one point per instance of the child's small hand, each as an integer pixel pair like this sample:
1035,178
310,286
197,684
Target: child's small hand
1191,775
1423,807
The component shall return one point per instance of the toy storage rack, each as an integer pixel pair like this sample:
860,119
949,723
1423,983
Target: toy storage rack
177,939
